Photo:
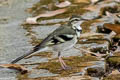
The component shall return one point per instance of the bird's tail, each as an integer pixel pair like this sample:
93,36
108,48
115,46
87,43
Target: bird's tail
21,57
35,49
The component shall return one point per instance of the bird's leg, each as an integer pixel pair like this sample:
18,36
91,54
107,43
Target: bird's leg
61,61
63,64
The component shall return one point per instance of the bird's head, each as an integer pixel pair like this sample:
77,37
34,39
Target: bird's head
75,22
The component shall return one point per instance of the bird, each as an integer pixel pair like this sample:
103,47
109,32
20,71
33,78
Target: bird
61,39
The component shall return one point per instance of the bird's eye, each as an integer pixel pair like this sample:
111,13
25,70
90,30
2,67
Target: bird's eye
76,19
79,30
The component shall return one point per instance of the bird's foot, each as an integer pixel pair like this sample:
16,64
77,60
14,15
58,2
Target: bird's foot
63,64
67,68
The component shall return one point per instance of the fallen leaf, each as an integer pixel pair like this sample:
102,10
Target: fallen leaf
63,4
115,16
118,15
18,67
91,8
94,1
115,72
113,27
86,35
117,0
81,1
108,13
33,20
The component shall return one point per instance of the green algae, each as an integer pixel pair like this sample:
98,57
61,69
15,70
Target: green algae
25,77
75,62
96,72
39,78
22,77
73,9
95,45
35,41
3,20
28,27
70,11
89,41
112,77
38,9
117,36
87,25
111,9
114,61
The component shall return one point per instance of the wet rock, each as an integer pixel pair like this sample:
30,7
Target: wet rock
112,77
111,9
95,43
102,29
116,40
35,73
40,73
34,59
53,21
14,45
76,63
43,6
8,74
4,20
97,70
101,47
113,27
97,11
75,78
3,3
117,37
113,62
81,1
97,25
108,18
115,75
88,26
